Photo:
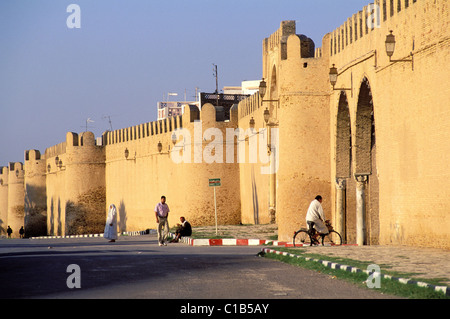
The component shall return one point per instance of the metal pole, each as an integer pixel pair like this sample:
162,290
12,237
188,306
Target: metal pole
215,208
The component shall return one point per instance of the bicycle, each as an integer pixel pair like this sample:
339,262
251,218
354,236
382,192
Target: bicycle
305,237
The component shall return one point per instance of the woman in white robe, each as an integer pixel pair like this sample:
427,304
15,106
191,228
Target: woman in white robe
111,224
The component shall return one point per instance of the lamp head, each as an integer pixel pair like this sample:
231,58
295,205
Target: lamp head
390,44
262,88
333,75
266,115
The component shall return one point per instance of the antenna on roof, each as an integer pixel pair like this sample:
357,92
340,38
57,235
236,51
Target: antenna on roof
109,120
216,75
88,120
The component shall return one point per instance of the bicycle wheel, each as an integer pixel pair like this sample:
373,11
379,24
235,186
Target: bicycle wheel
332,239
302,238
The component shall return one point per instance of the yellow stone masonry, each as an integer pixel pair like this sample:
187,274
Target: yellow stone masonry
375,145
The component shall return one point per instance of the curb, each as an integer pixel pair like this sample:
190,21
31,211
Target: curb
240,242
444,289
129,233
230,242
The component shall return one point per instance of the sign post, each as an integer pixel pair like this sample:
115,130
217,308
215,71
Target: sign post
213,183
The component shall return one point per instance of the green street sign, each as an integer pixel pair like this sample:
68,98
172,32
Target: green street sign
214,182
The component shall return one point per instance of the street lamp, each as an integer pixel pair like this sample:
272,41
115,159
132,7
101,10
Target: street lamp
174,138
127,154
333,79
333,75
266,115
252,123
262,88
159,147
390,45
263,91
390,49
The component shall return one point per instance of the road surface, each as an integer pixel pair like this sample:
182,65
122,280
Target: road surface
137,268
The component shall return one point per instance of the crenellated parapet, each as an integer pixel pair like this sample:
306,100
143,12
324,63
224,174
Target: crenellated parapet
143,131
249,105
417,25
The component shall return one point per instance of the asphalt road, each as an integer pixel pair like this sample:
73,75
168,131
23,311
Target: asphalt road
137,268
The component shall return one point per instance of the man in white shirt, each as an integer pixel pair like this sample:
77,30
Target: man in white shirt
162,214
315,216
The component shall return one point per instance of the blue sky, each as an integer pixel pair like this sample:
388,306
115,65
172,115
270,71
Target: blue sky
127,55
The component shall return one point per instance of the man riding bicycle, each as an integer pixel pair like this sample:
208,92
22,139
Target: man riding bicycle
315,218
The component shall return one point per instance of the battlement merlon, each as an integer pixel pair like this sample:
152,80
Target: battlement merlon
4,176
33,155
16,171
274,40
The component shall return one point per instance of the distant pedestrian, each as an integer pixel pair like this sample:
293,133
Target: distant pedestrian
9,231
21,232
111,224
162,214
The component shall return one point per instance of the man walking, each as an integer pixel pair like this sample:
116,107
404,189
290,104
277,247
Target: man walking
162,214
9,231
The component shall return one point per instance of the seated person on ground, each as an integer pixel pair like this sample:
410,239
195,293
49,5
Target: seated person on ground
184,229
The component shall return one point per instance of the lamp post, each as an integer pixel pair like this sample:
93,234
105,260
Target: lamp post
263,90
390,49
334,77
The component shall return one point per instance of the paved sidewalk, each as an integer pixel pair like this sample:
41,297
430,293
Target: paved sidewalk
416,261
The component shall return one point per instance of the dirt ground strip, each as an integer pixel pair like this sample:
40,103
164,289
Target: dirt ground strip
237,231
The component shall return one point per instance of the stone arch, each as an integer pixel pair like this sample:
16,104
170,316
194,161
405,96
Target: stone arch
364,121
343,138
365,169
343,144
